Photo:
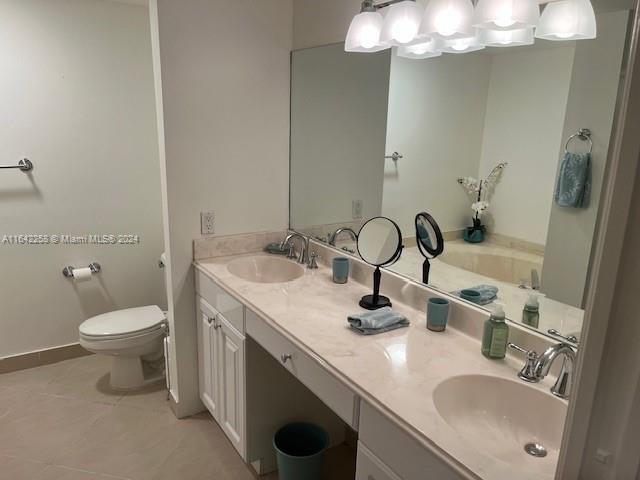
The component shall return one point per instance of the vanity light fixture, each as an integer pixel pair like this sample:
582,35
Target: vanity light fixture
506,14
567,20
448,19
462,45
506,38
364,31
458,28
429,49
401,24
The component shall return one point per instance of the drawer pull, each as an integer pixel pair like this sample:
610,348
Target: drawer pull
285,357
210,320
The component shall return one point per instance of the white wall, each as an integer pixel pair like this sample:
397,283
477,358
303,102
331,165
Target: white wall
526,106
321,22
591,104
435,120
76,90
338,129
224,74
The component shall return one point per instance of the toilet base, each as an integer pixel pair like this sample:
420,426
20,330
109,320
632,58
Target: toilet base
131,373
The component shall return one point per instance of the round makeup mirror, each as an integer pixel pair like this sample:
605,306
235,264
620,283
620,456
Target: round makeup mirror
429,240
379,244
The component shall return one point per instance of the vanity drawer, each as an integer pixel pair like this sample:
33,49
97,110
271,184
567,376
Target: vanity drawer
332,392
405,456
231,309
370,467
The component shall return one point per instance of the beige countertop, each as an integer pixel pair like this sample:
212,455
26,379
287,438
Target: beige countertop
396,372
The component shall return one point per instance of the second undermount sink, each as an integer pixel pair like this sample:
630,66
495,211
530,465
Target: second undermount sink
505,419
263,269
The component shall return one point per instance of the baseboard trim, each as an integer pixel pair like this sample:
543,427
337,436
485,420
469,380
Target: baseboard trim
41,357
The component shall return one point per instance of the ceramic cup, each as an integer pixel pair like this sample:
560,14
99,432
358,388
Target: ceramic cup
437,314
340,269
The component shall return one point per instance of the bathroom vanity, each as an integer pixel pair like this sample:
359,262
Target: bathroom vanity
413,396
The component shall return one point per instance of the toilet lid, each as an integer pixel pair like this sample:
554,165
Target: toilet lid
123,322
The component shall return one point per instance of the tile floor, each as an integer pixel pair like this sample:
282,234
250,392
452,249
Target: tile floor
62,422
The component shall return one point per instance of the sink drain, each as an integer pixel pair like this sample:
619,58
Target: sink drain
535,450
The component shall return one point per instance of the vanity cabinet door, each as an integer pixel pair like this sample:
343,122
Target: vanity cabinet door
370,467
232,384
208,357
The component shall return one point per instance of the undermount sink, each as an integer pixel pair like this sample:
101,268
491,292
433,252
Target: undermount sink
505,419
262,269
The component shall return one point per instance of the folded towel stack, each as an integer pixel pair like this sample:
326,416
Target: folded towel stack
488,293
377,321
574,181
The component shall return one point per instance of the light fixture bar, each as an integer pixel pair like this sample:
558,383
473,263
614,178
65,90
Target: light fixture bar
371,6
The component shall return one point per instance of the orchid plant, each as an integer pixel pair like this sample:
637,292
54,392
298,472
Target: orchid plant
481,190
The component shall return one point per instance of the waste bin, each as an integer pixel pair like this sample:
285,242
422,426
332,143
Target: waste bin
300,451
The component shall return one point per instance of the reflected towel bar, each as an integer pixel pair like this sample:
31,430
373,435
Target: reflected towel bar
24,165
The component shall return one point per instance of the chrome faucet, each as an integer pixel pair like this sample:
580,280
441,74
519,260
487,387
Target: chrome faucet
537,367
334,235
562,387
304,246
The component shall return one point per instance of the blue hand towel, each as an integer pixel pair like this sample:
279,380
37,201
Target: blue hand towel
377,321
488,293
574,181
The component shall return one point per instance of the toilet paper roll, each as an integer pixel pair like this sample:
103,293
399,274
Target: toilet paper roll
81,274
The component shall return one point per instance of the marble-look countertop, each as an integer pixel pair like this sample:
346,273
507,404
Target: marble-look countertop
396,372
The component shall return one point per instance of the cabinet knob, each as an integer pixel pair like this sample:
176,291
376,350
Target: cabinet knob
285,357
210,320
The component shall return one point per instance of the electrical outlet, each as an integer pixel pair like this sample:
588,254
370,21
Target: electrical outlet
356,209
207,223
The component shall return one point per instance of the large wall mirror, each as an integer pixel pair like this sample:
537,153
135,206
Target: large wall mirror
377,134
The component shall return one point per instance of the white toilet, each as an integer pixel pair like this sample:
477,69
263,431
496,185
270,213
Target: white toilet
134,337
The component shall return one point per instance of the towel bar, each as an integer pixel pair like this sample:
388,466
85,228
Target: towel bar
24,165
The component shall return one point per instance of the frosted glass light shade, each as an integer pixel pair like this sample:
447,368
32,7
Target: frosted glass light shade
401,24
506,14
428,49
567,20
462,45
448,19
505,38
364,33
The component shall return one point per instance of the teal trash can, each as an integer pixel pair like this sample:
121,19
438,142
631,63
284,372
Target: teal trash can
300,451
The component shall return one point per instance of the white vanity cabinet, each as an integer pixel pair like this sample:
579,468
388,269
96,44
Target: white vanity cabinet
370,467
387,452
208,355
232,385
221,359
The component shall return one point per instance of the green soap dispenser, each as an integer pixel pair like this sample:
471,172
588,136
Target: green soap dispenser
531,311
495,334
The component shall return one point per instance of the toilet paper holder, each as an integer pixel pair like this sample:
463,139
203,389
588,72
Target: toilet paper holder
68,271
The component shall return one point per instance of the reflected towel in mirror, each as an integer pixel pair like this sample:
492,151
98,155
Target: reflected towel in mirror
488,293
574,181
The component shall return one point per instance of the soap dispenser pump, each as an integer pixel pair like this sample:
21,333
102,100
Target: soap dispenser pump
495,334
531,311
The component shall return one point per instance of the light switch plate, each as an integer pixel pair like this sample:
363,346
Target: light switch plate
207,223
356,209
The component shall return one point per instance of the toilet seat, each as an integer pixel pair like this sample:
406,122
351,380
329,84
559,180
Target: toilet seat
123,324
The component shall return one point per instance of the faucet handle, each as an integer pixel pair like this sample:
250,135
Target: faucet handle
568,338
528,372
292,250
313,264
